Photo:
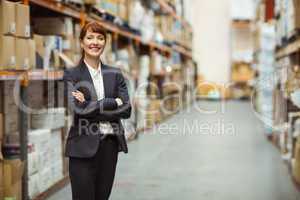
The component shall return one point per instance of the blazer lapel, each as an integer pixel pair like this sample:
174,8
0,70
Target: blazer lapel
86,77
106,80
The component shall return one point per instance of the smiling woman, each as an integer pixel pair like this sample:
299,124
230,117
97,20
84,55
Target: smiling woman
98,96
92,40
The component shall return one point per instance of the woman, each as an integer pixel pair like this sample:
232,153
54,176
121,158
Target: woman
98,96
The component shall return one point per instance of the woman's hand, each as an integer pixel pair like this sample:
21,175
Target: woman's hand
119,101
79,96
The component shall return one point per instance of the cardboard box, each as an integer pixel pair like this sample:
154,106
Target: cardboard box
123,9
1,128
297,13
296,170
1,159
22,21
39,44
7,52
22,53
10,104
7,17
1,178
13,172
297,151
11,123
32,55
62,26
91,1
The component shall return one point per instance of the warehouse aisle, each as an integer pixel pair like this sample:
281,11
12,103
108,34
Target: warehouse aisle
237,163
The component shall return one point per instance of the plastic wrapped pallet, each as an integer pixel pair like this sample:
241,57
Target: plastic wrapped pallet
148,26
156,63
137,11
34,185
243,10
51,118
48,166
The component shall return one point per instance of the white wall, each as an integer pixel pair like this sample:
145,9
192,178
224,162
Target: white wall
211,23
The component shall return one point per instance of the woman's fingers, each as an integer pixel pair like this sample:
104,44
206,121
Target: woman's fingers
79,96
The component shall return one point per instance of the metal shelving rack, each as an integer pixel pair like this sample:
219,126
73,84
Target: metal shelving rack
25,76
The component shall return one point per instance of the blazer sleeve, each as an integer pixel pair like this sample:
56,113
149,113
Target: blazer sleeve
88,109
123,111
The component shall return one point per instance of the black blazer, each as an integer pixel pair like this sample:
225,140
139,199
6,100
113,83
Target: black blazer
83,138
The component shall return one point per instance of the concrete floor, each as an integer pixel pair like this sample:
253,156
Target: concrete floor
237,163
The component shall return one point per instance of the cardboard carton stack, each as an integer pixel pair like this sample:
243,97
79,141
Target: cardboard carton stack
12,172
7,33
119,8
11,168
57,41
296,164
45,163
16,48
52,118
242,72
9,103
153,113
1,158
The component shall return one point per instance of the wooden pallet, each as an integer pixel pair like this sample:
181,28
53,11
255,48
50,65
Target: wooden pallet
52,190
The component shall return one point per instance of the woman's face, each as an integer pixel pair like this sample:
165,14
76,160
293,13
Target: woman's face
93,44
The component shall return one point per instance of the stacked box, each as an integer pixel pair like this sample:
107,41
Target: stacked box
61,26
22,21
156,62
55,41
296,164
7,52
35,93
7,17
153,113
1,159
1,176
48,49
24,51
45,163
10,108
123,9
241,72
16,49
13,171
166,27
136,11
7,30
52,118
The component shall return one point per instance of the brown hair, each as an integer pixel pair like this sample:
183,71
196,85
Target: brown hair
94,27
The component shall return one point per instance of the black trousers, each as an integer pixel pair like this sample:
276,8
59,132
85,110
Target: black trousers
92,178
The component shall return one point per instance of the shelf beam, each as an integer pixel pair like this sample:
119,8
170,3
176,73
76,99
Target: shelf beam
31,75
288,50
60,8
164,5
241,24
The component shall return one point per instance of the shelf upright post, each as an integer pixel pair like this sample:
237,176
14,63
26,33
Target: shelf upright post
26,2
115,37
23,128
82,18
136,81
